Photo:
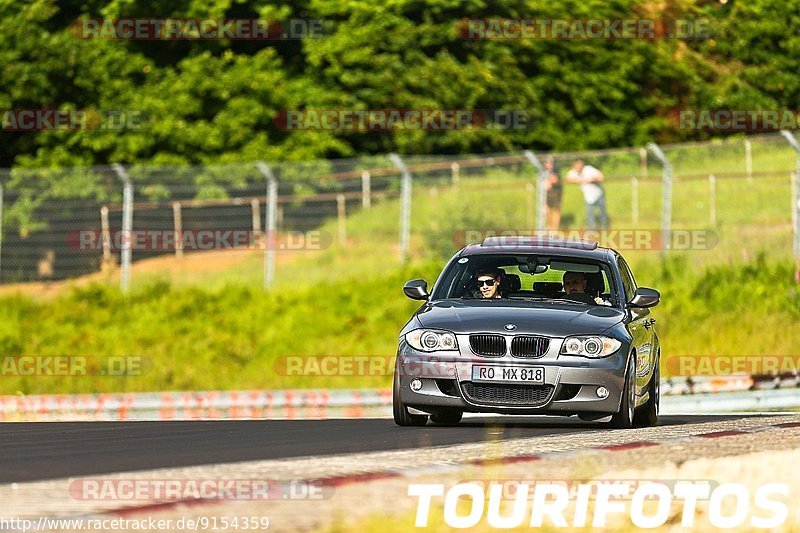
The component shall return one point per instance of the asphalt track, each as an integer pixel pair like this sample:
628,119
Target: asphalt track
49,450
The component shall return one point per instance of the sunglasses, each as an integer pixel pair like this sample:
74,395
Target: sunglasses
487,282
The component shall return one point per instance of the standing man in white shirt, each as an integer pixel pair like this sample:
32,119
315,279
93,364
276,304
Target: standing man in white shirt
590,179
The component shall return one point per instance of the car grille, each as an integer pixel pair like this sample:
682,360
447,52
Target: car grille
529,346
502,394
488,345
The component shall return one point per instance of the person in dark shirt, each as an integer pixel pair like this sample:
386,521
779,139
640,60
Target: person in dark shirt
552,182
575,284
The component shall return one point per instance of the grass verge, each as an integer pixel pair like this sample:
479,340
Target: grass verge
231,337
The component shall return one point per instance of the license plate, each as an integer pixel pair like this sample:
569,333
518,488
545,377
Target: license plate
508,374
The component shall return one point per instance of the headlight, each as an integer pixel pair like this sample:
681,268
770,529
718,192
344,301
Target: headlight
590,346
431,340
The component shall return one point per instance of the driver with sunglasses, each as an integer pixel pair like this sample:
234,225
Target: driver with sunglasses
489,282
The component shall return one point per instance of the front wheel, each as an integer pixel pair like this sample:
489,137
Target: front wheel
399,410
647,415
624,418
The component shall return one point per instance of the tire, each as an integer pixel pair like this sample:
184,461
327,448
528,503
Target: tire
450,417
400,411
647,415
624,418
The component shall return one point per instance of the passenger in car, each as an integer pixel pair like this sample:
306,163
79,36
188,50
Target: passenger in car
575,284
489,282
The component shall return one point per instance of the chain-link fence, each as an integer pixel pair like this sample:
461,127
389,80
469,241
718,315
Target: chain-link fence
744,190
266,223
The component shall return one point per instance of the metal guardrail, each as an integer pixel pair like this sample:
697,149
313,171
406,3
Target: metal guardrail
726,402
684,395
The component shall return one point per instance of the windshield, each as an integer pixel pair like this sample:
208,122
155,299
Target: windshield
529,276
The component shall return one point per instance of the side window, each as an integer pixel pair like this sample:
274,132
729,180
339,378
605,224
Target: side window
606,283
627,279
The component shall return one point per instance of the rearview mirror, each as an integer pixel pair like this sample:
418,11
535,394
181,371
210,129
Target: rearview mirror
416,289
532,267
645,297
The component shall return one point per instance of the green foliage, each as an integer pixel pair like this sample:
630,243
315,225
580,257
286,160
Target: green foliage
214,101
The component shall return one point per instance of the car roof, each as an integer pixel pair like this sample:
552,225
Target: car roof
539,245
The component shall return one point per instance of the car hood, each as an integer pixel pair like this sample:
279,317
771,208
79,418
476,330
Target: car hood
555,319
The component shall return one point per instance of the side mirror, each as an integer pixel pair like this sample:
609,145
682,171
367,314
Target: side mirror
644,297
416,289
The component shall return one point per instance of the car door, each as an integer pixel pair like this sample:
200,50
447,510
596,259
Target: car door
640,327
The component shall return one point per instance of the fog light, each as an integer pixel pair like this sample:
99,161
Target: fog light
602,392
416,385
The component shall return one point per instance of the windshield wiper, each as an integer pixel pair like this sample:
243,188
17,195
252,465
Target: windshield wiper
568,300
545,299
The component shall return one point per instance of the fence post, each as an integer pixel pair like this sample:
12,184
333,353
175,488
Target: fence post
643,162
531,204
105,235
796,195
455,170
405,205
666,189
634,200
127,226
542,196
712,193
255,209
748,160
341,215
795,199
177,225
270,217
366,190
1,223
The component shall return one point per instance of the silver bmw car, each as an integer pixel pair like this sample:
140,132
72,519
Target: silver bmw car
530,326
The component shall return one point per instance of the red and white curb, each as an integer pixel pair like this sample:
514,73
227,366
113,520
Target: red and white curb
210,405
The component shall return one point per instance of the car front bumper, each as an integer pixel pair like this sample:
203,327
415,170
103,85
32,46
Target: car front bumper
570,383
